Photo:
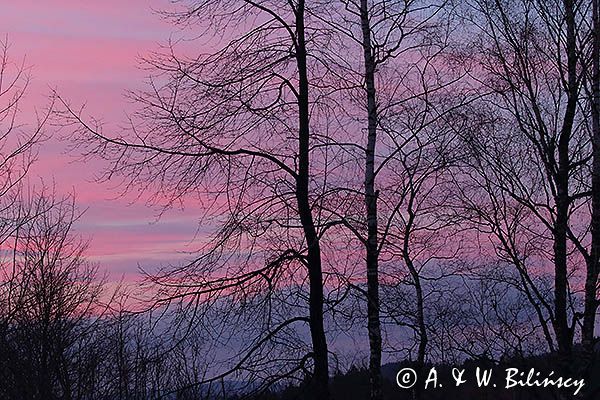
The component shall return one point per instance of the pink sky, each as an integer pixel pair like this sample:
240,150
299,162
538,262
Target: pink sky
89,50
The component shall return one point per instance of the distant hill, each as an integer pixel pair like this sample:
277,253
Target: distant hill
354,384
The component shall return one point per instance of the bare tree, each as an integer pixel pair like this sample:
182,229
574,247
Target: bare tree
18,140
233,129
529,151
396,87
58,297
591,283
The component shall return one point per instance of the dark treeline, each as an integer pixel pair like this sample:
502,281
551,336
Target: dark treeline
418,178
354,383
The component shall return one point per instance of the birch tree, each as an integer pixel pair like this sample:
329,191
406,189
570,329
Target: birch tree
591,283
530,151
396,88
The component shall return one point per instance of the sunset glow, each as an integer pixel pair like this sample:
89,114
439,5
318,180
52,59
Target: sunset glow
90,51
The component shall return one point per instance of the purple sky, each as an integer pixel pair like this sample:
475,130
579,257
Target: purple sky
89,51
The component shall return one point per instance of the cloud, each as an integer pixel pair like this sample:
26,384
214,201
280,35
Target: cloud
89,51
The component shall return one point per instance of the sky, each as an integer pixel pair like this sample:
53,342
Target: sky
89,51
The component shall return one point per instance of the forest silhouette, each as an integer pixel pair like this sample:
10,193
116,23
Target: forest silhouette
387,184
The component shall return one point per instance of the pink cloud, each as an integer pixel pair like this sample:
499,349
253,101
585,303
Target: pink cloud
89,52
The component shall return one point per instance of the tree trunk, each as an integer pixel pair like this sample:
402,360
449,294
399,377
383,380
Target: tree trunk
420,311
373,322
315,274
564,333
591,305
